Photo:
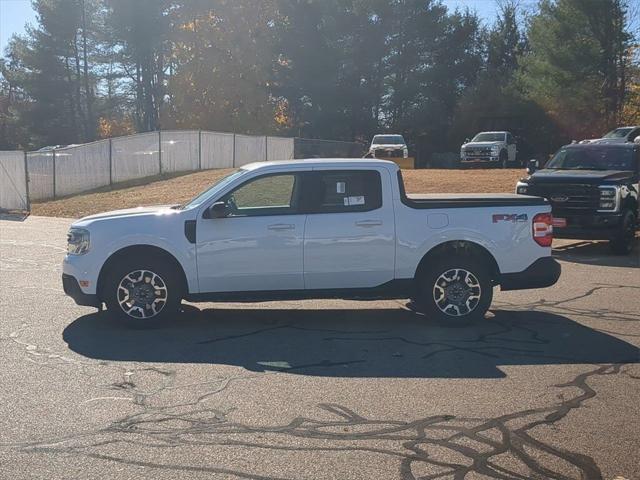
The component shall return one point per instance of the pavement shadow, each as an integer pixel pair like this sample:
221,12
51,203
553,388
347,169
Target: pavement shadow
352,343
13,216
597,253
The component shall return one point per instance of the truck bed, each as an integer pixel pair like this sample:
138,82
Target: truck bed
469,200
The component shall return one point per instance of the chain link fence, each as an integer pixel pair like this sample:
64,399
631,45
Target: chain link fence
80,168
49,174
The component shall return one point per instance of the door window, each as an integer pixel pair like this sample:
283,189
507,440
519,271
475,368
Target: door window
336,191
266,195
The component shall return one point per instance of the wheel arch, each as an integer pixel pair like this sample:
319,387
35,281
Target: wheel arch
458,248
137,251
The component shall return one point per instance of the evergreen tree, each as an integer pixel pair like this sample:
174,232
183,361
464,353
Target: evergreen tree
576,66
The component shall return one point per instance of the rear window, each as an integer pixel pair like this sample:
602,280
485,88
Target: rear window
337,191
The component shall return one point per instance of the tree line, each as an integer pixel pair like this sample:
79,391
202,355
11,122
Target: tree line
333,69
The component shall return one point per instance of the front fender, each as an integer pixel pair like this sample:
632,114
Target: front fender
183,251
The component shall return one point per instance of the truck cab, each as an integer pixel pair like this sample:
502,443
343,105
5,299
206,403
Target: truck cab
593,190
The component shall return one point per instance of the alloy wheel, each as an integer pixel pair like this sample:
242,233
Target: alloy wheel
142,294
457,292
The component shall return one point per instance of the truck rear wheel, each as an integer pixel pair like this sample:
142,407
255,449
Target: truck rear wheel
455,289
622,243
142,293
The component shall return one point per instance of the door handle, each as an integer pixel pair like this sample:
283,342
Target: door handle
368,223
281,226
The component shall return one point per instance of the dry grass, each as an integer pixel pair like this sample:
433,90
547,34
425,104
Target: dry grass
181,188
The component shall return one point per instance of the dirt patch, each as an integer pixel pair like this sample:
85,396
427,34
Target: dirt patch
182,188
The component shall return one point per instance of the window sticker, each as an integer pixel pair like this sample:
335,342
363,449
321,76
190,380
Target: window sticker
359,200
341,187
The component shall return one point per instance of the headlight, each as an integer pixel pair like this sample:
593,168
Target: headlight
609,199
405,152
495,150
77,241
522,188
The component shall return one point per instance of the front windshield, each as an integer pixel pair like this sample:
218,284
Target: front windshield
592,158
489,137
618,133
388,140
219,185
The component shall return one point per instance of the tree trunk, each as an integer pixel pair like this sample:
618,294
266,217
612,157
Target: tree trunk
87,88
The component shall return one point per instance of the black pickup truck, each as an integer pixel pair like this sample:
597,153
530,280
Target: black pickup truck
593,191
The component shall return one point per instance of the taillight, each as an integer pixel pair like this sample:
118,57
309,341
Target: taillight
543,229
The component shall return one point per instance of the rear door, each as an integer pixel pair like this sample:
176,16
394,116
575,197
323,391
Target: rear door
350,231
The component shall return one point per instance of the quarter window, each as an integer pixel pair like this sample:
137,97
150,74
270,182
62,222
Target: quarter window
336,191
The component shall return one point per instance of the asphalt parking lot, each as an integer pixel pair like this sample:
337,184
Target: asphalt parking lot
547,386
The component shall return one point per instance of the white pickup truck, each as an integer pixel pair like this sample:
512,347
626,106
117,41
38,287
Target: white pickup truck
311,229
492,148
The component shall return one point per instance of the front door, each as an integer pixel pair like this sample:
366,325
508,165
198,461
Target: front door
350,233
258,245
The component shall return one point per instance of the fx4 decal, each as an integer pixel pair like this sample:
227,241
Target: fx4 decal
510,217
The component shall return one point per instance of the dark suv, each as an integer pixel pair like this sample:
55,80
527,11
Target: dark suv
593,190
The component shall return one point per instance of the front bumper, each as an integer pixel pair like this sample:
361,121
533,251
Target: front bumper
542,273
479,159
385,153
595,226
72,288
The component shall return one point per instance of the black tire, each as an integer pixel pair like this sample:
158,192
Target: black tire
429,285
504,159
163,279
622,243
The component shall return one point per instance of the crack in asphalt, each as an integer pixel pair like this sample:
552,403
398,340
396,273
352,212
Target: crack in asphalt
562,307
414,443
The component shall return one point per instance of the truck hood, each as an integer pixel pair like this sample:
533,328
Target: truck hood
482,144
610,140
589,177
388,146
129,212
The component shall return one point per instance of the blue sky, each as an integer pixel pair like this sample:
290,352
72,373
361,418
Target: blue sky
15,13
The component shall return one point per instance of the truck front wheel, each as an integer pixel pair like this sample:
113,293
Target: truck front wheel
504,159
141,292
455,289
622,243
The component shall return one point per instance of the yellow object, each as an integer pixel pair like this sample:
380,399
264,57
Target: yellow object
404,163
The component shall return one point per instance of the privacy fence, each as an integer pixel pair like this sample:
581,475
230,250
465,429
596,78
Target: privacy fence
43,175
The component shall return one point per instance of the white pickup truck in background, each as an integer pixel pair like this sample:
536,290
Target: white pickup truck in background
388,146
489,148
312,229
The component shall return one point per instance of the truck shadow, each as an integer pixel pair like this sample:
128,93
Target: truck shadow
596,253
370,343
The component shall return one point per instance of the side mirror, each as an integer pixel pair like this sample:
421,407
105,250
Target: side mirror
532,166
467,140
217,210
